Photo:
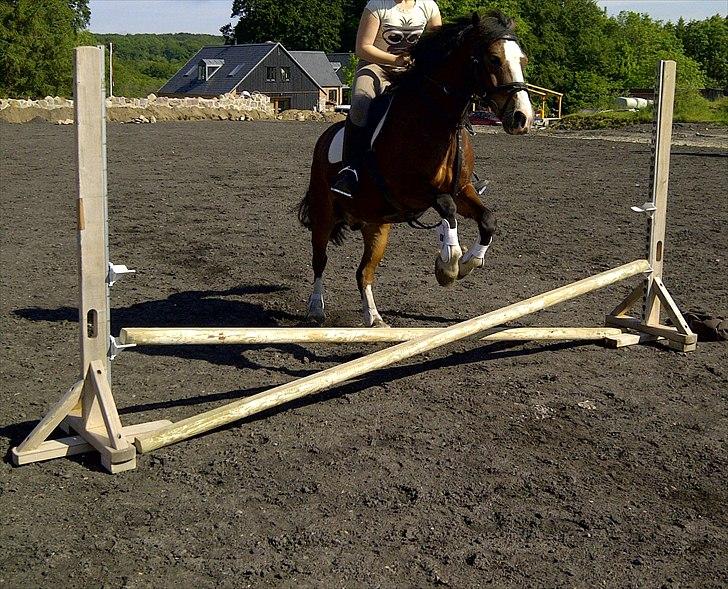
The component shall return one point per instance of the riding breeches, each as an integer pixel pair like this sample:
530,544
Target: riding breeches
370,81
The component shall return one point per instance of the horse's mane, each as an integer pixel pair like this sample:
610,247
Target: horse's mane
436,46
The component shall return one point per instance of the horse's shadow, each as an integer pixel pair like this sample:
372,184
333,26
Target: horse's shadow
208,308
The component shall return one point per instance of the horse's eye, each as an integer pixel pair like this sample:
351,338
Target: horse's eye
494,60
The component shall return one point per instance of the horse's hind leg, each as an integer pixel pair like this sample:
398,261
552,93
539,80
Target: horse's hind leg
469,206
375,242
446,262
320,233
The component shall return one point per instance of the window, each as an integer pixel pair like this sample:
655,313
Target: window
285,74
270,75
334,96
208,68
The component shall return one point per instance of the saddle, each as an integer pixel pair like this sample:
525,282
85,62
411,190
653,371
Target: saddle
378,110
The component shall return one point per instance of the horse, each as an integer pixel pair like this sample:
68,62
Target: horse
420,157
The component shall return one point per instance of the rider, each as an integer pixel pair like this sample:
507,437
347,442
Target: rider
387,31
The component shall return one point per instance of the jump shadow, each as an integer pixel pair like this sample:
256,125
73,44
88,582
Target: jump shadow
484,353
488,352
701,153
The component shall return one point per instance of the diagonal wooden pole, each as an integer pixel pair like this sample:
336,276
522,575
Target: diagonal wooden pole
314,383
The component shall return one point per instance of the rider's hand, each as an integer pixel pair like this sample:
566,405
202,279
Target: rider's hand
403,60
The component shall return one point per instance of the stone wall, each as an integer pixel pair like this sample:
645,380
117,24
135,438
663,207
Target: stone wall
143,110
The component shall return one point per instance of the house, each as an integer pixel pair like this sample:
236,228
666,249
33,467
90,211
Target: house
317,64
268,68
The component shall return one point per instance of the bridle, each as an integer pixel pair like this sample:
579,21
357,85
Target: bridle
509,89
485,95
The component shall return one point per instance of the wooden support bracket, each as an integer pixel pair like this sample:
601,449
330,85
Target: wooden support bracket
99,430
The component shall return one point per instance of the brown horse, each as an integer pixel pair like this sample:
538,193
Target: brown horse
421,158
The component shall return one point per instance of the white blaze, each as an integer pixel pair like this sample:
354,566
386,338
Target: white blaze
513,56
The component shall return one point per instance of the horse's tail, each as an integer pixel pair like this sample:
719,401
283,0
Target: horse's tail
338,233
304,210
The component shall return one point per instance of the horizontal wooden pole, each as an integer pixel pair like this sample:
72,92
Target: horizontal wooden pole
319,381
186,336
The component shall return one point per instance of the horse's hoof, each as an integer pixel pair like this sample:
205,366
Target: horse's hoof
465,268
373,319
447,272
316,311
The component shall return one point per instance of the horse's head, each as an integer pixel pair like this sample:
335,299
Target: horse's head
498,63
477,55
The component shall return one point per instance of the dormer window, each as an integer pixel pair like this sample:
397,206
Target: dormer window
208,68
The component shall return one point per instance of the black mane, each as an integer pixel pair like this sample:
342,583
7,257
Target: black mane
435,47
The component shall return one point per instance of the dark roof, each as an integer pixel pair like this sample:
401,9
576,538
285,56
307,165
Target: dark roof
318,66
239,60
340,61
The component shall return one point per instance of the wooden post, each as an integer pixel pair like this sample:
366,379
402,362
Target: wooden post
89,407
322,380
653,293
185,336
659,180
94,315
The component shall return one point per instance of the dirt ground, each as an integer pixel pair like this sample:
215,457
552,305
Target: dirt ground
523,465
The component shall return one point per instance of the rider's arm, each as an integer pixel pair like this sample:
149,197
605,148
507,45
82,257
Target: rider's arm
365,37
435,19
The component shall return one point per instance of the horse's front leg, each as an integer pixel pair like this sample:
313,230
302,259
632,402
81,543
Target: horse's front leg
446,262
470,206
376,236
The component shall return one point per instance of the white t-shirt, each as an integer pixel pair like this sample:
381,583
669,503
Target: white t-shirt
400,29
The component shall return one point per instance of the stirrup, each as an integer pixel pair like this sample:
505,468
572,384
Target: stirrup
480,186
346,183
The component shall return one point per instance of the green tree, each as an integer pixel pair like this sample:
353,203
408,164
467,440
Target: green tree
640,43
37,38
298,24
706,41
351,15
143,63
82,14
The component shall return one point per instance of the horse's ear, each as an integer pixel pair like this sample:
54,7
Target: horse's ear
476,18
511,23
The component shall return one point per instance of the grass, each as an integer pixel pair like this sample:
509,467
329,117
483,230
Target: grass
690,107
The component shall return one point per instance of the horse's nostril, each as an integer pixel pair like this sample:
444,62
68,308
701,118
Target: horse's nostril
519,119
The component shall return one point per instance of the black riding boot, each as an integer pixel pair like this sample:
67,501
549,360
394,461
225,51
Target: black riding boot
355,143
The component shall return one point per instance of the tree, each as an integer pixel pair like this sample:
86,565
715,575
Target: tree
640,43
37,38
82,14
706,41
351,15
298,24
